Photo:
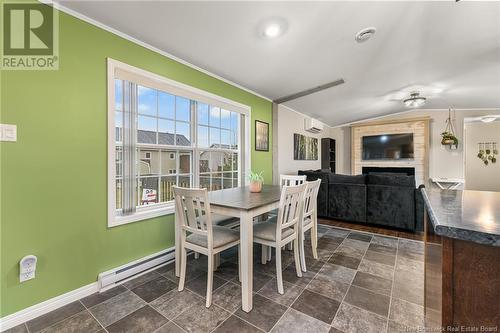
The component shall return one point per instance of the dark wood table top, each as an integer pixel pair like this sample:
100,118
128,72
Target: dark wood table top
242,198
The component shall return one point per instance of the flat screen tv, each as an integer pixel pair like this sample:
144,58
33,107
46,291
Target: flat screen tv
388,147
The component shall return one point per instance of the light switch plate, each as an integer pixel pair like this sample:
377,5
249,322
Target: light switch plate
8,133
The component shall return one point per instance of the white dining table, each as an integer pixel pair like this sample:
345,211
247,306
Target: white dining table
241,203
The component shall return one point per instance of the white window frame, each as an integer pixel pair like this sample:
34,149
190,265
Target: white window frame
120,70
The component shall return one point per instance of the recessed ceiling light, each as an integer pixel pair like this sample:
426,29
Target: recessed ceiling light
273,30
488,119
415,100
365,34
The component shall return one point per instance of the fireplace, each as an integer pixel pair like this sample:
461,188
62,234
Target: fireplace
404,170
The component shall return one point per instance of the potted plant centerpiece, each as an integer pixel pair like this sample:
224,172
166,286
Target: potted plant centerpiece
256,180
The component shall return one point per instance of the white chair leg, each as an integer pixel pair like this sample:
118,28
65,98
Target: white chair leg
301,236
210,277
296,255
196,255
314,238
289,247
239,263
263,258
279,277
216,261
269,253
183,260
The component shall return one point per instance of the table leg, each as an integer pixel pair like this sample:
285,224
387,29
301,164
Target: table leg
177,247
246,246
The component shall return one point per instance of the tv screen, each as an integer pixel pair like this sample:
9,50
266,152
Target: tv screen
388,147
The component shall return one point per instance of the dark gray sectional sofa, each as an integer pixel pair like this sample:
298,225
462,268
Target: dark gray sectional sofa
390,200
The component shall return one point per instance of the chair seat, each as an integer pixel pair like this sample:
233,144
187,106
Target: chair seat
221,236
267,230
307,221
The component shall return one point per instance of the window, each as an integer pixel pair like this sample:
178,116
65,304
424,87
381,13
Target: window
165,136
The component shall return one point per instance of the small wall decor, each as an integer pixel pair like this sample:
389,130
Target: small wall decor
304,147
261,136
487,152
448,136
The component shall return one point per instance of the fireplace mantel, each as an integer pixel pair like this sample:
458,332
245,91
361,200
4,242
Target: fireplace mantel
420,129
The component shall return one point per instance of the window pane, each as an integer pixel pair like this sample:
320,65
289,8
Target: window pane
235,162
216,181
185,162
166,132
216,161
202,136
183,137
168,162
119,161
119,95
118,193
148,190
227,180
119,126
225,119
205,181
146,129
214,137
225,139
204,161
202,113
166,191
149,162
227,161
166,105
185,181
147,99
182,109
214,116
235,117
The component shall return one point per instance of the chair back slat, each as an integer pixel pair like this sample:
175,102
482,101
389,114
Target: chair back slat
290,180
193,211
310,197
289,211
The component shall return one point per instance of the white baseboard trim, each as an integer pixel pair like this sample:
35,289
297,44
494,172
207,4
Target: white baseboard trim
44,307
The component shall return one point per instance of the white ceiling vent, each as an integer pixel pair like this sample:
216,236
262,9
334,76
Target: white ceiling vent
312,125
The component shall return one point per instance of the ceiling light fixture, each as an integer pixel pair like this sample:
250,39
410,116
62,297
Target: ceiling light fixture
488,119
415,100
365,34
273,30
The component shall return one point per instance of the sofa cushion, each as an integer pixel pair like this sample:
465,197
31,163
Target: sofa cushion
391,180
336,178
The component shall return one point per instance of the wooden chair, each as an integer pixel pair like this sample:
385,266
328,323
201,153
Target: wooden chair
283,229
195,218
290,180
309,220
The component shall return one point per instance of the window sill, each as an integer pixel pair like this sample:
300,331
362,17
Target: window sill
141,215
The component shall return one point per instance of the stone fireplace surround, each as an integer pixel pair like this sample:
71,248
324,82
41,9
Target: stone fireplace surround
420,163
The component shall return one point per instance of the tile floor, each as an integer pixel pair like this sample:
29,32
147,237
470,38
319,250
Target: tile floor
361,283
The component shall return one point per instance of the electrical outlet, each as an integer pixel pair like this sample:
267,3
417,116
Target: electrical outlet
27,268
8,132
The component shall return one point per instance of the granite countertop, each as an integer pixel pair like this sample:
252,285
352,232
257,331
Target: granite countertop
466,215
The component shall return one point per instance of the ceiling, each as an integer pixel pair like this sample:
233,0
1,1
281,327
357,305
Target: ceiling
448,51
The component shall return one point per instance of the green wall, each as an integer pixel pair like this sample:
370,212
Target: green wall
53,180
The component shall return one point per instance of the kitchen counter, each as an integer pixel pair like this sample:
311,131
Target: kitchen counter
462,261
466,215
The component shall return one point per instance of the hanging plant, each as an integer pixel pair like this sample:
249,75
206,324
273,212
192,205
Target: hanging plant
448,137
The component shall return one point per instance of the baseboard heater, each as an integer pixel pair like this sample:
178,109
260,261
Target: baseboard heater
138,267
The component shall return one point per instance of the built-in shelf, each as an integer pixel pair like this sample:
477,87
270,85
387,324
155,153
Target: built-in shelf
328,154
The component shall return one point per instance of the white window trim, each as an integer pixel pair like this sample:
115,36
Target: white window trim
135,74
